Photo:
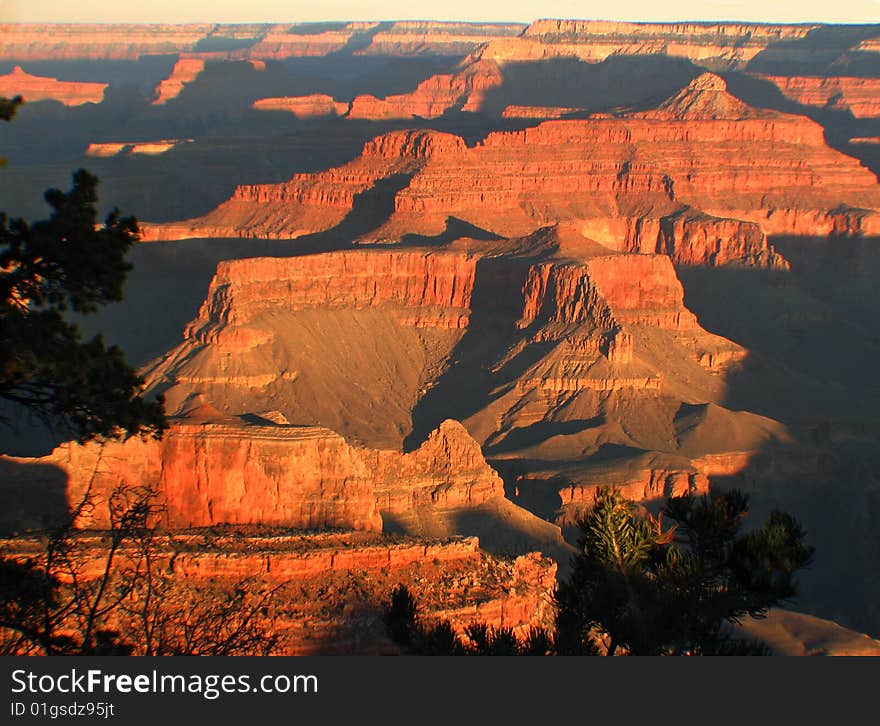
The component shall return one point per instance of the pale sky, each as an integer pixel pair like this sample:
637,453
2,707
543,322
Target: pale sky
232,11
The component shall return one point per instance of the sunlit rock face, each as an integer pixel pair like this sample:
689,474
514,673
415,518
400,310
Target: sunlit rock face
39,88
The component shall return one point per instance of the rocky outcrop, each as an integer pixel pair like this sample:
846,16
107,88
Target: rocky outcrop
185,71
859,96
329,589
314,202
702,150
577,498
572,331
693,239
420,287
317,105
447,471
610,291
39,88
464,90
220,471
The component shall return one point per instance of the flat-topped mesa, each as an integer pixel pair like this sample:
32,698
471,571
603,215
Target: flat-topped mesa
39,88
317,105
313,202
859,96
417,144
689,237
464,90
185,71
150,148
218,471
423,288
539,112
764,167
214,473
286,41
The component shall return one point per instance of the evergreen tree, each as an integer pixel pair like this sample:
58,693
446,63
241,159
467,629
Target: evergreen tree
67,263
678,591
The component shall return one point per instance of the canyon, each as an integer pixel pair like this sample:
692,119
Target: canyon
412,291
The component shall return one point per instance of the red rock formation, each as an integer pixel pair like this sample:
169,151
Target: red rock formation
38,88
464,90
705,98
284,41
577,498
211,473
609,324
313,202
185,71
330,588
702,149
859,96
776,171
725,44
306,107
692,239
422,288
448,470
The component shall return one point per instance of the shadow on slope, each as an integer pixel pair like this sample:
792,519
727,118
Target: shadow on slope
570,82
826,50
465,386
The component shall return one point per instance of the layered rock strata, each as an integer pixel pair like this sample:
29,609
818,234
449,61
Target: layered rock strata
859,96
39,88
569,334
702,151
210,473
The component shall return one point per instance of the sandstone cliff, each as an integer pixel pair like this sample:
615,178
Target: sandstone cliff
185,71
702,150
362,341
859,96
219,471
463,90
717,45
314,202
